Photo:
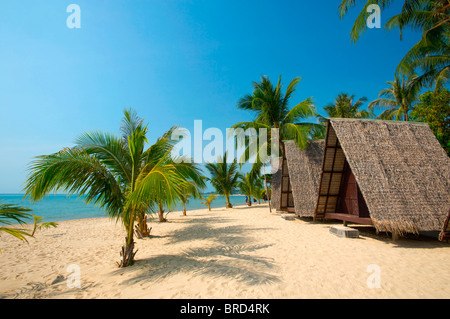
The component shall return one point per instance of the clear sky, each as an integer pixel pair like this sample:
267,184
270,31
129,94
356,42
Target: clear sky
173,61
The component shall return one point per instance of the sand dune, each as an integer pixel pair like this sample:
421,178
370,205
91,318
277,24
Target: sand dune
225,253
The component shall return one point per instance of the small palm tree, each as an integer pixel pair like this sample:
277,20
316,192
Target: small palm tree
249,185
115,173
11,214
190,190
345,106
208,201
260,193
224,176
397,100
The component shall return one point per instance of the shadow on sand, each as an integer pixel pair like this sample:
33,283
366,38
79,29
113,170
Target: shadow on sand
232,254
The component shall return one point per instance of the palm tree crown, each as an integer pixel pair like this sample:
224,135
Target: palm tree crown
116,173
397,100
272,110
224,176
345,106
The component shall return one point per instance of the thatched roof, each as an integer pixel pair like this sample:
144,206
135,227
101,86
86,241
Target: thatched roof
304,171
304,168
401,169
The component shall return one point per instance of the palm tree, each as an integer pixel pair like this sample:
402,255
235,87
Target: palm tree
208,201
272,110
11,214
249,185
191,189
397,100
344,106
115,173
431,54
260,193
224,176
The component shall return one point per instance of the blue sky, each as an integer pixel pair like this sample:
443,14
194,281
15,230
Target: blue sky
172,61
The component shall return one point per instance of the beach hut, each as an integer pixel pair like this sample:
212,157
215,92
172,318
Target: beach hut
392,175
295,184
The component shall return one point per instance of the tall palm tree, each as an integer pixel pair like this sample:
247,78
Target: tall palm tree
272,110
115,173
345,106
397,100
224,176
431,54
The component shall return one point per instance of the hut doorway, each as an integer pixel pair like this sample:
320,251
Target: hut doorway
351,201
287,199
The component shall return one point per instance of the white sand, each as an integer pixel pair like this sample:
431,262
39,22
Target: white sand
226,253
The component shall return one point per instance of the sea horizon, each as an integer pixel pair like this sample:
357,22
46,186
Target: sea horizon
63,207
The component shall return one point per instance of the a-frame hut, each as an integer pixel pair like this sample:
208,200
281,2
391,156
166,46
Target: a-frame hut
295,184
392,175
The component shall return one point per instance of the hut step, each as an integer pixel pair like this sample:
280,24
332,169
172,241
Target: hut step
288,216
343,231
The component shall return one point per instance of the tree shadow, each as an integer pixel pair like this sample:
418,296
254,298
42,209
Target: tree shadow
233,255
234,262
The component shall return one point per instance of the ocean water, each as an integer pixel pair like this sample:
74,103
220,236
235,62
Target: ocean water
55,208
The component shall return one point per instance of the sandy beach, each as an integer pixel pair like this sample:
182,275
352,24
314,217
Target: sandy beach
244,252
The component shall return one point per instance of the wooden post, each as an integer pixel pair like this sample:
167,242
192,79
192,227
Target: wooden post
395,235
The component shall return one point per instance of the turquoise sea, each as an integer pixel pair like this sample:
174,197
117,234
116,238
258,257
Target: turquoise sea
54,208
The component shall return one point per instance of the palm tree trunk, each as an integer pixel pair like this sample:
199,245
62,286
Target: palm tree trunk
227,197
161,213
128,252
142,225
184,208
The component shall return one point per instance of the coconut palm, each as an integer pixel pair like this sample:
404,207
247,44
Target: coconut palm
272,110
397,100
431,54
11,214
208,200
188,191
224,176
345,106
115,173
260,193
249,185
